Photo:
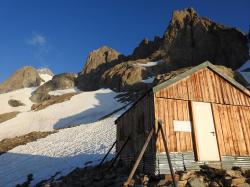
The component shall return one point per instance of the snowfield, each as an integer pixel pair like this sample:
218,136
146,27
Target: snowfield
148,80
149,64
22,95
84,108
45,77
61,92
61,152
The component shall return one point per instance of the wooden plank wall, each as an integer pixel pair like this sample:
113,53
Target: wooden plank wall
232,125
169,110
207,86
128,122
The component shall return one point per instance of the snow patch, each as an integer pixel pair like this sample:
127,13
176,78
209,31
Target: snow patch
246,75
149,64
244,66
22,95
148,80
61,92
45,77
83,108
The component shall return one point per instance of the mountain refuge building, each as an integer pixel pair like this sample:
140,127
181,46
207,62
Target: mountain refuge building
205,117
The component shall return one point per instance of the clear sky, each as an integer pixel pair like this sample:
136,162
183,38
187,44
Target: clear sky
59,34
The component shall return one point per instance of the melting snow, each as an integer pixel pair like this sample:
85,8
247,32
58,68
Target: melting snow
61,152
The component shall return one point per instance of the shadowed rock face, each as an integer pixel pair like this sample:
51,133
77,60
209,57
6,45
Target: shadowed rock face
147,49
58,82
189,40
22,78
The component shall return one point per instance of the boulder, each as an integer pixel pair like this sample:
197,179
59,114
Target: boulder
234,173
214,184
243,185
15,103
22,78
181,183
196,182
58,82
238,181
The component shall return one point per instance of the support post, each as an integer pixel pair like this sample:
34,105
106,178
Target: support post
119,152
167,152
139,157
107,153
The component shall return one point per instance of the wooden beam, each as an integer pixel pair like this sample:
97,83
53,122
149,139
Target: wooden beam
139,157
167,153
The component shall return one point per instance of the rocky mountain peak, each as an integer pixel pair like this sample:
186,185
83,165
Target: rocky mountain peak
100,56
191,40
186,14
22,78
97,63
146,48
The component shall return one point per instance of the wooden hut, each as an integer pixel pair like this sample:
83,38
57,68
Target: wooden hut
206,117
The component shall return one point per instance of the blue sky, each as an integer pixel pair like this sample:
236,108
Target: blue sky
59,34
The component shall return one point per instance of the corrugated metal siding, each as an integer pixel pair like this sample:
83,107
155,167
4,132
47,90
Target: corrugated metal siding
147,164
180,161
186,161
230,161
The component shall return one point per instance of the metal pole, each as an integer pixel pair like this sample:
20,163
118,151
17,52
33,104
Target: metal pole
107,153
119,152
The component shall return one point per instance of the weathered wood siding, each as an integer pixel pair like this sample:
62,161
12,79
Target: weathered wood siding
207,86
131,124
168,110
232,125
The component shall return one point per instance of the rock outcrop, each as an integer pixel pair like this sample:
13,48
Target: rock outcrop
147,48
191,40
188,41
22,78
97,63
58,82
15,103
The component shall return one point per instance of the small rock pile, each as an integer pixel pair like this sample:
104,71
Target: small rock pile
103,176
97,176
213,177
